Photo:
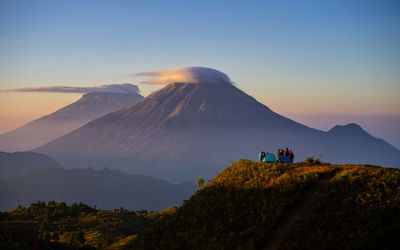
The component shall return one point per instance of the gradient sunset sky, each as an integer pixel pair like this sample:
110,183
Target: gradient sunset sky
338,58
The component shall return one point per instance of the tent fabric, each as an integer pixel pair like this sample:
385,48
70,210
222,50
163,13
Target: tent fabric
285,159
270,158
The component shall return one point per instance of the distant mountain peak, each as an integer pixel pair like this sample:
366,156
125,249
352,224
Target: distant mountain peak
93,105
108,97
89,107
348,128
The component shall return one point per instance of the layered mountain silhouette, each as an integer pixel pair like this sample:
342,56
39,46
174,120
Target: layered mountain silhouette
23,163
106,189
197,128
90,106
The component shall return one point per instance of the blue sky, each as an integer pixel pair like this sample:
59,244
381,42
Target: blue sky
294,56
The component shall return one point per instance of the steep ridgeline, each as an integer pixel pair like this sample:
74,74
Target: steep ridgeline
64,120
189,129
254,205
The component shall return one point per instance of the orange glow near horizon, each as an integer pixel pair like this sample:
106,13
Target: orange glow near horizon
17,109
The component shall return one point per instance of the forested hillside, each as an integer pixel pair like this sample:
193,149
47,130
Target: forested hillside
308,205
249,205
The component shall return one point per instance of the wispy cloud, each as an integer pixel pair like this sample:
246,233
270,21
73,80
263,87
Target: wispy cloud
185,74
111,88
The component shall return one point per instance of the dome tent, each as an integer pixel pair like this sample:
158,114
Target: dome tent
285,159
270,158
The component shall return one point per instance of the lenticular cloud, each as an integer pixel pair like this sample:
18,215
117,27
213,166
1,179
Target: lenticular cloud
186,75
110,88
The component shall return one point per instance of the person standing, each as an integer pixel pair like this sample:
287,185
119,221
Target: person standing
287,152
291,155
261,156
280,153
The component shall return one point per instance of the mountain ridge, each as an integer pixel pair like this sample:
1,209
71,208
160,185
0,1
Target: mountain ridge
22,163
42,130
107,189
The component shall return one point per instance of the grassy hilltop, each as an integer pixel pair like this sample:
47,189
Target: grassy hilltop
249,205
253,205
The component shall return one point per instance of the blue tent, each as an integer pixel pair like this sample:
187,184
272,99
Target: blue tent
270,158
285,159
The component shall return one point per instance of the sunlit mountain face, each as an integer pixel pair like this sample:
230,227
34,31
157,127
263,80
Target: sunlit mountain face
90,106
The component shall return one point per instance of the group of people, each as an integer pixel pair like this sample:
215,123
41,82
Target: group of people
284,156
286,152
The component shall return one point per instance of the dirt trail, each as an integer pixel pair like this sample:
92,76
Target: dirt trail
275,238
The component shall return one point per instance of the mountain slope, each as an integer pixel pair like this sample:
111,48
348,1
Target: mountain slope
337,207
190,129
173,131
106,189
22,163
40,131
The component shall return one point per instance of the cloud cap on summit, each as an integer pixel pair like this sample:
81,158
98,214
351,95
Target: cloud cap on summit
186,74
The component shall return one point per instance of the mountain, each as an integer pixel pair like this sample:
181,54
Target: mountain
253,205
90,106
106,189
23,163
189,129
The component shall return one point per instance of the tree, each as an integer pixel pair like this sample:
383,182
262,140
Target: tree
77,238
62,228
200,182
44,226
46,236
104,240
56,237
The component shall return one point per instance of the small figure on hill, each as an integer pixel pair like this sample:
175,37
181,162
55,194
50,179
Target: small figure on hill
280,153
287,152
291,155
285,156
261,156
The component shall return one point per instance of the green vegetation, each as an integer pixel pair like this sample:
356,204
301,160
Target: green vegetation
249,205
200,182
345,207
315,161
359,209
55,225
